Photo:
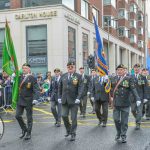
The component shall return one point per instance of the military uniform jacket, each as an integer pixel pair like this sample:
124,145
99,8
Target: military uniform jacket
91,80
147,88
85,85
54,89
28,91
98,90
140,85
121,95
70,89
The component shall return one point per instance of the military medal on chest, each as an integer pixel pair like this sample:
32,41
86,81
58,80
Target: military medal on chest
74,80
125,83
148,80
28,86
140,81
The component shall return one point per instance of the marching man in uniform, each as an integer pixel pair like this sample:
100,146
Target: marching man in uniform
139,82
85,87
101,99
122,85
69,94
55,106
28,91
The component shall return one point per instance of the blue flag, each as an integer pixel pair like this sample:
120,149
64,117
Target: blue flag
101,62
148,57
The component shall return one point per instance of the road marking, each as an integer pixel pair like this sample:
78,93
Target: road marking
83,122
8,121
43,111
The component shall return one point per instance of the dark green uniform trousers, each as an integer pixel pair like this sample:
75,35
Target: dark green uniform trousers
137,112
71,128
121,115
19,113
83,104
101,109
56,112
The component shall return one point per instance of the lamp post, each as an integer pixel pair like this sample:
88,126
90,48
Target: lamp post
144,33
108,24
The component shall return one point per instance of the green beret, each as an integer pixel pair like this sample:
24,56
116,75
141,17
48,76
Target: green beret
70,63
56,70
120,66
137,66
93,70
144,69
26,64
81,68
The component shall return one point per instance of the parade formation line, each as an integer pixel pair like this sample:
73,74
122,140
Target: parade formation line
46,115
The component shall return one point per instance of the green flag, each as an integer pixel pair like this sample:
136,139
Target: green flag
10,64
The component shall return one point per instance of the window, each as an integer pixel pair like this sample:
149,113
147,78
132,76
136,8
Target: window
84,9
110,2
69,3
140,31
37,47
140,17
133,8
29,3
113,2
85,48
123,32
107,2
95,13
133,38
123,14
4,4
71,44
110,21
140,44
133,23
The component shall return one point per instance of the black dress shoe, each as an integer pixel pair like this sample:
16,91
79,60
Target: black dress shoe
99,123
93,112
104,124
124,140
58,124
137,127
28,136
83,116
67,134
73,137
23,134
117,138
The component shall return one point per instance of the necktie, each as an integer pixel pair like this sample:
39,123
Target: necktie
69,77
56,78
101,80
82,77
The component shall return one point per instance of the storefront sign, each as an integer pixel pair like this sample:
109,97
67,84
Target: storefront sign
72,18
37,61
44,14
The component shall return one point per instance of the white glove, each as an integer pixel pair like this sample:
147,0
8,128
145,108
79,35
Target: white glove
77,101
105,78
138,103
145,101
92,99
35,102
88,93
13,75
59,101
